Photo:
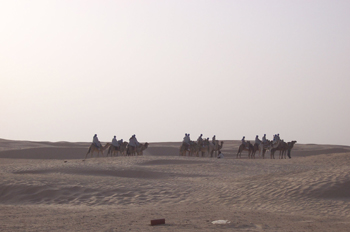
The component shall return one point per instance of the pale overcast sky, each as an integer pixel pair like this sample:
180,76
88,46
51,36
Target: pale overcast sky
160,69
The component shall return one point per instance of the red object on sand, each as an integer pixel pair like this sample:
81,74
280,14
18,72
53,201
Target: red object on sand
157,222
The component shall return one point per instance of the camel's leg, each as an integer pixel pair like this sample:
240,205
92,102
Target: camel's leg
87,154
264,152
259,151
239,152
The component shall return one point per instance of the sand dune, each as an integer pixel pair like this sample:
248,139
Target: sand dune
48,186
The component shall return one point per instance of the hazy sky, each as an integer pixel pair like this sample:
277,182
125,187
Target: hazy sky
160,69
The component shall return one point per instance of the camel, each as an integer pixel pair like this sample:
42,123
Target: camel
204,146
93,148
115,150
242,148
215,147
184,148
289,148
256,147
130,150
123,148
141,148
262,148
280,146
195,148
192,148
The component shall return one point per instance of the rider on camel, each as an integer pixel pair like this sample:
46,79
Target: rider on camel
186,139
200,139
244,142
257,140
133,141
214,139
96,142
115,143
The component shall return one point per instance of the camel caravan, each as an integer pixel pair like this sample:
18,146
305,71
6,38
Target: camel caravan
265,145
117,147
201,147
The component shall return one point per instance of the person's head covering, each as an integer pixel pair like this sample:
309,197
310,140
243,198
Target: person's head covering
95,135
115,136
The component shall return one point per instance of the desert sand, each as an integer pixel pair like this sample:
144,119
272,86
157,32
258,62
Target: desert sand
47,186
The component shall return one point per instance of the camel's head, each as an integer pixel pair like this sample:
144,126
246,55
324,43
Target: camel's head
291,144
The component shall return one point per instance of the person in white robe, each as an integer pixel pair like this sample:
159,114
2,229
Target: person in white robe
257,140
115,142
96,142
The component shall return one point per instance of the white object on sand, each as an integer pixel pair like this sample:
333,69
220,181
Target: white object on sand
221,222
